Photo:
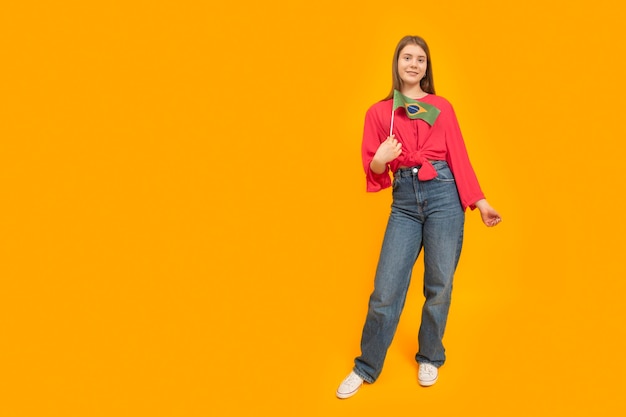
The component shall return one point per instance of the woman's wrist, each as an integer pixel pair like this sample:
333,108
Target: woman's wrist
481,204
378,167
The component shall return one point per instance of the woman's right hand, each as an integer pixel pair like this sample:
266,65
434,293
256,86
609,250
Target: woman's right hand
388,150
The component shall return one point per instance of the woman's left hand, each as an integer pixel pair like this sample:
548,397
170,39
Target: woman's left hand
488,214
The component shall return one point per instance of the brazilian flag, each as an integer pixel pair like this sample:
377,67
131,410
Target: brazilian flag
415,109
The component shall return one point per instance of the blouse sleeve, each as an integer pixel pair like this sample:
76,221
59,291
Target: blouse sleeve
459,162
374,134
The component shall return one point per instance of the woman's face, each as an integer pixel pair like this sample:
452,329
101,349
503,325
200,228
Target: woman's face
412,65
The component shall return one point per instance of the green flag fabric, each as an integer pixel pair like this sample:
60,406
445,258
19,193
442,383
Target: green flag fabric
415,109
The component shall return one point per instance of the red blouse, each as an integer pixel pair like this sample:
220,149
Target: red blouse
420,143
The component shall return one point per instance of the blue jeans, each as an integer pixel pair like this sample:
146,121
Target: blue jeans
424,214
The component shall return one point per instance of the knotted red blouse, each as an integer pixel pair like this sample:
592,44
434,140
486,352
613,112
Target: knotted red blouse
421,143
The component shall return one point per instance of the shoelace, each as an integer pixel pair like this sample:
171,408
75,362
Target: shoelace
354,378
427,371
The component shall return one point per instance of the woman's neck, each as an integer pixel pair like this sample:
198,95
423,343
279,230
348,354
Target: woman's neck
414,92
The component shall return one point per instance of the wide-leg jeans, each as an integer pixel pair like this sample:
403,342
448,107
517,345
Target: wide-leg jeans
428,215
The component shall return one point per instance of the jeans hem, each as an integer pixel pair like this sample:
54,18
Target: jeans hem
363,376
435,364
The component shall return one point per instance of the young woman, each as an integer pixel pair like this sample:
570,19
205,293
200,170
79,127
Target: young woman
433,184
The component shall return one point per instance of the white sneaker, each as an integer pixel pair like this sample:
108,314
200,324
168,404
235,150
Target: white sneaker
349,386
428,374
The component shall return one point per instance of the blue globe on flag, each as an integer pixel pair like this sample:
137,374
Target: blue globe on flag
412,109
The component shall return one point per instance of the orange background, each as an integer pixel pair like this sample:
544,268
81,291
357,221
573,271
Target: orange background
185,229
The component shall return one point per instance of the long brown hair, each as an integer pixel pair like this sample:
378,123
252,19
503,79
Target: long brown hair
427,84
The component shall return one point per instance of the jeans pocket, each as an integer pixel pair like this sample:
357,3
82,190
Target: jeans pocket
444,175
